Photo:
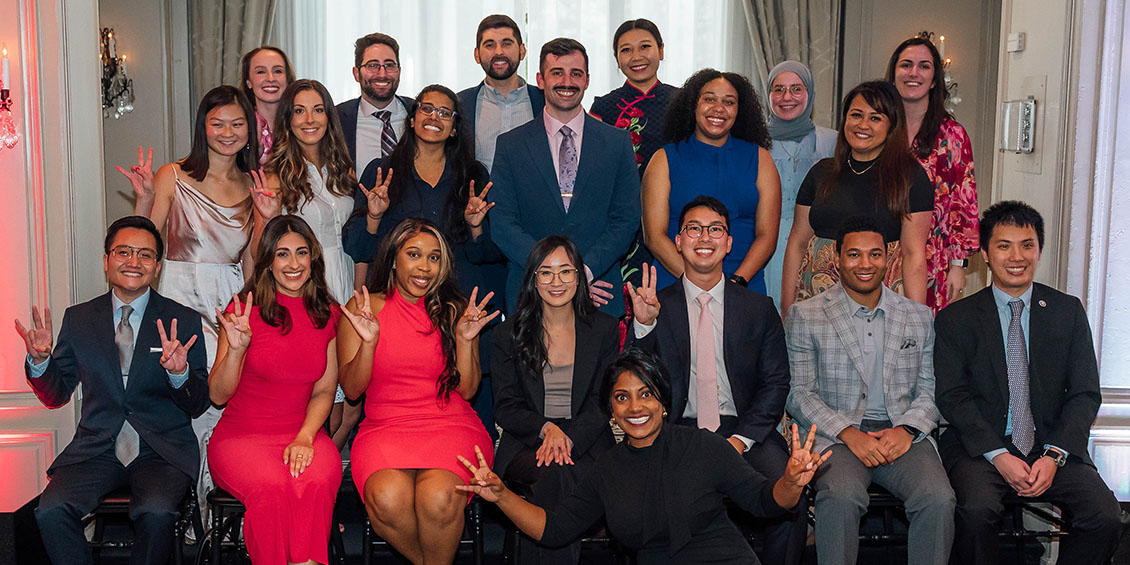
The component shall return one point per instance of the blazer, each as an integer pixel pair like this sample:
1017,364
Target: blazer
85,353
519,397
602,219
469,101
347,114
1063,375
828,386
753,349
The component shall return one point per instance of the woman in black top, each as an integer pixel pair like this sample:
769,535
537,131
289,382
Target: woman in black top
872,174
661,490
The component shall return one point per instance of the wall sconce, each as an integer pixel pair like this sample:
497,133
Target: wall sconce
117,88
8,135
947,79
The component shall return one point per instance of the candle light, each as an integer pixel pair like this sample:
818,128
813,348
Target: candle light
123,64
942,47
113,53
4,74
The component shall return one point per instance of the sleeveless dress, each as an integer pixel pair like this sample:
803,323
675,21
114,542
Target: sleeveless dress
407,424
728,173
327,214
288,518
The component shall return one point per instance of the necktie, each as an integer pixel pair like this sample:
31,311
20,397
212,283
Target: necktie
706,378
388,136
567,162
1023,430
126,446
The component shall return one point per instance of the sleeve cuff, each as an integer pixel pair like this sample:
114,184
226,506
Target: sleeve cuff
36,370
1057,448
745,440
992,454
641,330
178,380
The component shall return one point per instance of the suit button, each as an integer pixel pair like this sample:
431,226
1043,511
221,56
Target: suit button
863,395
129,412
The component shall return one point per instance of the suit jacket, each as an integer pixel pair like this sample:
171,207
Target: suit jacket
85,353
469,98
1063,375
753,349
829,387
519,397
603,217
347,114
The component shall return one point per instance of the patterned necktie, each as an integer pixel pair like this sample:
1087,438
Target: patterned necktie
1023,430
126,446
388,136
567,161
706,377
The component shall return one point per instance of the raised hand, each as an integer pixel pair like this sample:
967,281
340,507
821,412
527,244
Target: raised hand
477,206
237,323
267,203
475,317
141,175
38,340
803,462
364,322
174,354
377,198
484,482
298,456
645,303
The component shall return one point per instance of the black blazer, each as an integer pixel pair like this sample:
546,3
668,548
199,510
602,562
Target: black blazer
972,377
519,398
753,347
85,353
469,98
347,114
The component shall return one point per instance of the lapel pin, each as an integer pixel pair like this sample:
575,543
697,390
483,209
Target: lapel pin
1043,304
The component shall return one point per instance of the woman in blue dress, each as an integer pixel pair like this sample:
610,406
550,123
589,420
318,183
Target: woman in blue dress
718,145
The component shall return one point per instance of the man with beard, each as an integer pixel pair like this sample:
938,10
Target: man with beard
567,173
503,101
374,122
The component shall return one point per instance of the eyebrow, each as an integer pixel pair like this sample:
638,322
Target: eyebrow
543,266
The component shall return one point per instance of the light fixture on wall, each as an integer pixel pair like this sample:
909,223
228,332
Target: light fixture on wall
947,78
117,88
8,135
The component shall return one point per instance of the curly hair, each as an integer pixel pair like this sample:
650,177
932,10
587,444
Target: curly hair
936,112
749,125
261,284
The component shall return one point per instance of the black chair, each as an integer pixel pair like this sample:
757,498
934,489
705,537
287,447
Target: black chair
115,507
472,535
227,518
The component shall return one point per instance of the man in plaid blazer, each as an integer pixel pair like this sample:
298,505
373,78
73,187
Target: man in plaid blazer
861,359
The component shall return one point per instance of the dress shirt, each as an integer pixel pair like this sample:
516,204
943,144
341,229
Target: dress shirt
370,128
496,114
870,330
553,130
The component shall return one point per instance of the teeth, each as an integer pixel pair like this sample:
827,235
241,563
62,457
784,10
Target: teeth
638,68
638,420
419,281
866,277
431,128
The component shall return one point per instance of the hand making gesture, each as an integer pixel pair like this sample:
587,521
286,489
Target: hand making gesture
645,303
484,482
38,339
802,462
174,354
141,175
237,323
377,198
477,206
266,202
364,322
475,317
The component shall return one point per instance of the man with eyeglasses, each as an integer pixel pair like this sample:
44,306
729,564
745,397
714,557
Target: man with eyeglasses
143,377
502,101
725,348
375,121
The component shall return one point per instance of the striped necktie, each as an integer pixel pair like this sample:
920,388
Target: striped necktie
388,136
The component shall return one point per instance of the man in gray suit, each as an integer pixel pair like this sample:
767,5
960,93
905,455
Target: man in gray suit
861,358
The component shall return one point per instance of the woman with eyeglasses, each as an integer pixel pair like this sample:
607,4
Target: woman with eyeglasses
549,357
265,74
718,146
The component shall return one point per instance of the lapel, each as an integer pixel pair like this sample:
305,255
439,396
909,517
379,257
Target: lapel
894,335
146,335
730,329
103,322
348,118
674,316
584,363
991,327
839,314
1039,336
589,162
538,144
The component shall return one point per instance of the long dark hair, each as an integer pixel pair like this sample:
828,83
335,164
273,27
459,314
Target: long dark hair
528,331
459,150
245,69
315,294
444,303
749,125
895,160
286,155
936,112
196,164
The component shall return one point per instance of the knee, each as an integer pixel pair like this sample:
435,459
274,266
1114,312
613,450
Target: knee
148,515
1105,521
51,513
439,506
978,512
387,504
842,497
935,499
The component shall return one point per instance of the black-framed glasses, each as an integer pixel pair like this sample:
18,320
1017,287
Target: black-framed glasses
440,112
124,253
374,66
795,90
567,275
694,231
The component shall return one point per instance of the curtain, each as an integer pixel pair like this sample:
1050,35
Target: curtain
222,31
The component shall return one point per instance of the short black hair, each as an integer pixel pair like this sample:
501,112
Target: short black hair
370,40
136,222
856,224
641,24
495,21
648,368
706,202
1011,213
561,47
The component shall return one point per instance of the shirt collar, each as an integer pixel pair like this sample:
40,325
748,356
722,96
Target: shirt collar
1001,298
496,94
692,290
861,310
367,109
139,304
552,125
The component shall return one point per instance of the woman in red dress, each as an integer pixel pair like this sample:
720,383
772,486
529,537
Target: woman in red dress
412,349
269,449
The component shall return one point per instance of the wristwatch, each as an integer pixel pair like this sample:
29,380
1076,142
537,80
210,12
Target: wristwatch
738,279
1056,456
913,431
963,263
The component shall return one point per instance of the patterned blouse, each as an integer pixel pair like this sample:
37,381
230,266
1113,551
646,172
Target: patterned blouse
641,113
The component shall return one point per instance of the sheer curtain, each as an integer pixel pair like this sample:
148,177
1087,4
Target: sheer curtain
222,31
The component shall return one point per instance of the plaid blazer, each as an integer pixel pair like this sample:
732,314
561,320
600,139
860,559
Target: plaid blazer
826,363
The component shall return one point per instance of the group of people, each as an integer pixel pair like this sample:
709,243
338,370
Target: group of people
300,298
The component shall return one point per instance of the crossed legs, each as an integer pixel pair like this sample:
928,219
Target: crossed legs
418,511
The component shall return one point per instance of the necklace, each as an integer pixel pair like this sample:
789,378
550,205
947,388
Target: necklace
793,156
864,170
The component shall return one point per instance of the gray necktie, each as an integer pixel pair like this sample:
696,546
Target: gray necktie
1019,408
388,135
127,445
567,162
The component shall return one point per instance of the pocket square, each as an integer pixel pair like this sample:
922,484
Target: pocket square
908,344
155,350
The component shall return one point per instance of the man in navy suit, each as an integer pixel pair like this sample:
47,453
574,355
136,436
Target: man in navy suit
374,122
141,388
746,359
569,174
502,101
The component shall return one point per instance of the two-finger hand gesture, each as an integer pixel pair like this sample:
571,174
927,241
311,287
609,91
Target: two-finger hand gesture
802,461
475,317
141,175
477,206
645,302
237,323
363,321
298,455
37,340
266,202
377,198
174,354
484,482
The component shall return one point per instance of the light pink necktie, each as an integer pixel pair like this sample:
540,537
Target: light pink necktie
706,380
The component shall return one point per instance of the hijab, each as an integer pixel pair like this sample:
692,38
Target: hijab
796,128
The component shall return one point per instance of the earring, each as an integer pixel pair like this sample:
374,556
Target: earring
664,413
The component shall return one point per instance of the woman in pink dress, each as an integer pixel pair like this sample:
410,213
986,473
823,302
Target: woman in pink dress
265,73
276,369
412,349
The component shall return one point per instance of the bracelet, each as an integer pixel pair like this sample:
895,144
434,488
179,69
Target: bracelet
740,280
374,218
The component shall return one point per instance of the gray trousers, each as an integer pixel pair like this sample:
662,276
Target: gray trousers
917,478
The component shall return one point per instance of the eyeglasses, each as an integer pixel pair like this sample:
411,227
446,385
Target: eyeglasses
567,276
374,66
124,253
795,90
694,231
442,113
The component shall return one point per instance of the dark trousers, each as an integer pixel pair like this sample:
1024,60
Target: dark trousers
1077,488
156,489
548,485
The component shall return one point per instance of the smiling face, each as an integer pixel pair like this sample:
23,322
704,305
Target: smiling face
131,277
1013,254
703,254
638,55
788,97
636,409
716,111
561,273
417,265
914,73
564,80
379,86
226,129
862,262
433,129
499,53
291,264
865,130
308,120
267,76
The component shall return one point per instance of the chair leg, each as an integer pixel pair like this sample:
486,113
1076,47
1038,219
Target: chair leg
217,535
338,546
475,515
367,544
